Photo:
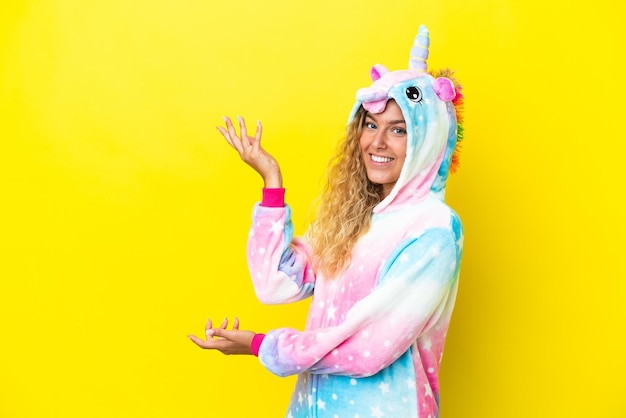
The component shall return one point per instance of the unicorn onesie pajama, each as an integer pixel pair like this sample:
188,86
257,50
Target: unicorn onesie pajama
375,334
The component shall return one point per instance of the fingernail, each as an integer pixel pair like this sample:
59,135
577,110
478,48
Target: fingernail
239,118
210,332
225,118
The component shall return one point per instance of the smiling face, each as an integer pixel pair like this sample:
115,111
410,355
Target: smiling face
383,146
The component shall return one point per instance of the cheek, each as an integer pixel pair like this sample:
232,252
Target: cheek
362,142
401,149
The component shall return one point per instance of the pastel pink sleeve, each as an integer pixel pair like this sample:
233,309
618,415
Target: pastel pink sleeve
279,264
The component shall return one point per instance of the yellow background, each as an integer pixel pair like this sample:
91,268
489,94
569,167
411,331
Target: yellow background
124,214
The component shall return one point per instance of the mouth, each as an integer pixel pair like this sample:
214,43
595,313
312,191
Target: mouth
379,159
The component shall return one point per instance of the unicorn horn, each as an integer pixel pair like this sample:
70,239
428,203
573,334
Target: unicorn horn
419,51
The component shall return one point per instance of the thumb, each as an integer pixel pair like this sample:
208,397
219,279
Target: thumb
221,332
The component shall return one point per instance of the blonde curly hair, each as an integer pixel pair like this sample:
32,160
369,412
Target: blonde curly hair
345,204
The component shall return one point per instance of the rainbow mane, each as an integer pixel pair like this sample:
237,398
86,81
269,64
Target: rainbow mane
458,108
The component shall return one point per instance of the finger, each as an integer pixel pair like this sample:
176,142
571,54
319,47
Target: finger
245,141
222,326
197,341
230,127
226,136
209,344
230,337
208,329
224,323
259,131
225,334
236,324
256,141
232,134
227,121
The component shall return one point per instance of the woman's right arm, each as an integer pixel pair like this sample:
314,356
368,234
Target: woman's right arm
279,264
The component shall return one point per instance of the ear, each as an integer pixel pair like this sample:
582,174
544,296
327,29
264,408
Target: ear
378,71
444,88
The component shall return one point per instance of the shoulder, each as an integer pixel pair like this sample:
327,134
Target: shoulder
435,213
437,225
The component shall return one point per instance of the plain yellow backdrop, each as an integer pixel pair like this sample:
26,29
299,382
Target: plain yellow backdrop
124,215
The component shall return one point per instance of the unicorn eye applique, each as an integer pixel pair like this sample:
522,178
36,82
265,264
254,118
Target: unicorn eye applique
414,94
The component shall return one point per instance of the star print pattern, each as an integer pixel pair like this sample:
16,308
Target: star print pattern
376,412
347,397
365,370
384,387
375,334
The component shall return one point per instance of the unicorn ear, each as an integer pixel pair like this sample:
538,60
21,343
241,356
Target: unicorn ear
444,88
378,71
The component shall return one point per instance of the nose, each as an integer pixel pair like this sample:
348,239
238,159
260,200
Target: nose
380,139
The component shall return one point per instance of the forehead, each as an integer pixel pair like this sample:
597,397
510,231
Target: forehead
392,112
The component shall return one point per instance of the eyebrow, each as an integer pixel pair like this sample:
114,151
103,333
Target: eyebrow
391,122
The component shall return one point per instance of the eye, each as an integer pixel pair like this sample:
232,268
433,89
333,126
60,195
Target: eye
414,94
399,131
370,125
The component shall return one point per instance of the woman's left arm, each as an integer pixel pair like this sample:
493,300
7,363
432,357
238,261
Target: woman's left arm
378,329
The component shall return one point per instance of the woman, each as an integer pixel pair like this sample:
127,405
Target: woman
381,260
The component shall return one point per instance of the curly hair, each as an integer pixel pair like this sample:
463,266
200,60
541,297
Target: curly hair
345,204
348,198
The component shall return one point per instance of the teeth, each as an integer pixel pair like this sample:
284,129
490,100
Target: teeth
379,159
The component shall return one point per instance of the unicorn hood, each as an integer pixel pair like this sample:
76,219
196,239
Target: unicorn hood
430,104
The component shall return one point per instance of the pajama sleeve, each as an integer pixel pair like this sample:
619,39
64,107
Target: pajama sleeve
411,295
279,264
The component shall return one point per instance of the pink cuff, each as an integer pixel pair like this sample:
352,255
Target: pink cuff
273,198
256,343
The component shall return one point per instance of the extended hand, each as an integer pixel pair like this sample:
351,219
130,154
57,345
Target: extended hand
226,341
251,152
